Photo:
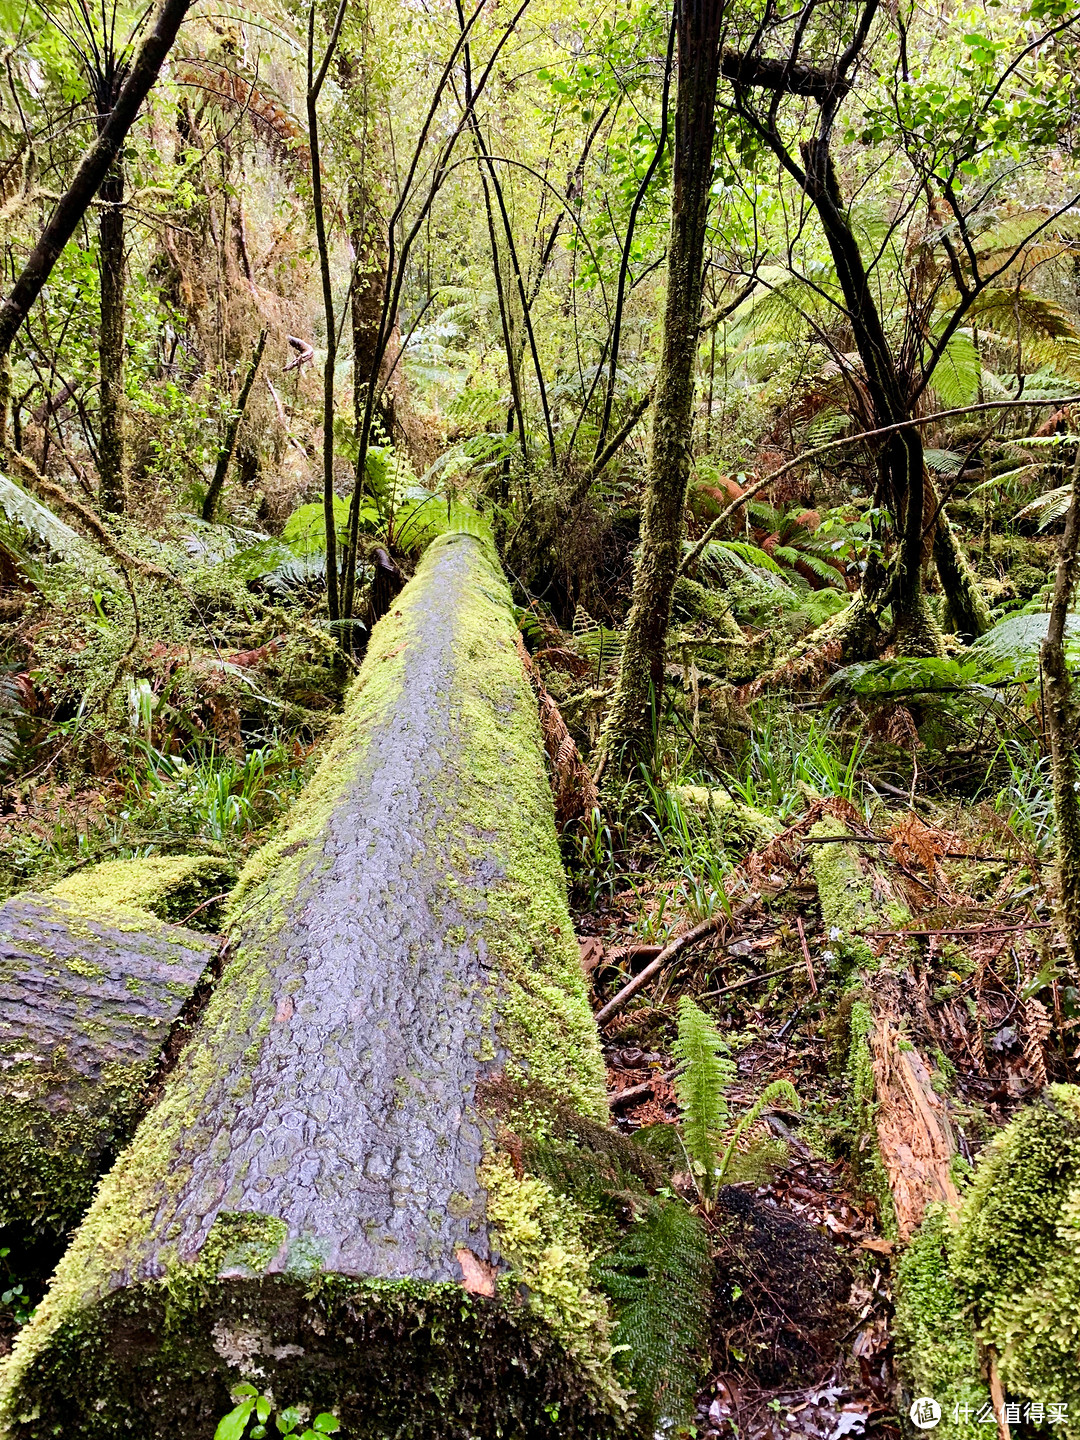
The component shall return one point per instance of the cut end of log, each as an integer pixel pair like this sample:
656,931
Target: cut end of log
411,1361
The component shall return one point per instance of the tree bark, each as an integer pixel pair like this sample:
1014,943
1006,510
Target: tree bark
111,343
966,612
630,732
89,996
93,168
321,1197
1063,722
228,447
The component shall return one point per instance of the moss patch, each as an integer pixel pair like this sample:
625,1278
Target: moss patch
168,886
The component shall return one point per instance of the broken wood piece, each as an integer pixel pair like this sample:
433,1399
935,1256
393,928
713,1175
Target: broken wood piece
88,999
633,1093
297,1207
669,953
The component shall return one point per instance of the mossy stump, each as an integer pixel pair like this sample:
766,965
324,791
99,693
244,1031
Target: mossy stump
319,1202
88,999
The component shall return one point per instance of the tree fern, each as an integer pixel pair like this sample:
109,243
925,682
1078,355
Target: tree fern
10,710
705,1075
659,1278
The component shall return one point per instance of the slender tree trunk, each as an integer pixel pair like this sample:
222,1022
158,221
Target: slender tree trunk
1063,722
111,343
93,168
629,736
315,84
228,447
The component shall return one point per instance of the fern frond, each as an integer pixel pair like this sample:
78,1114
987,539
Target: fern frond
705,1075
1049,507
956,374
39,521
778,1091
659,1278
10,710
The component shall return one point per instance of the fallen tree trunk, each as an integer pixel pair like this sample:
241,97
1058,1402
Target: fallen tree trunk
321,1201
88,1001
892,1091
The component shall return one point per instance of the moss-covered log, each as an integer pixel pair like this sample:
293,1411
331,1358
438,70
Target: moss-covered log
319,1200
892,1092
88,999
187,889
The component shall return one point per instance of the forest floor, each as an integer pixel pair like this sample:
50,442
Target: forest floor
938,870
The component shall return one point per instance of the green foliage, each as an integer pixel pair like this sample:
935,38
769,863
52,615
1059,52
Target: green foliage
705,1075
660,1277
288,1421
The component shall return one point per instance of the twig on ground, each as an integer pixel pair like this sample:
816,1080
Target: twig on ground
669,953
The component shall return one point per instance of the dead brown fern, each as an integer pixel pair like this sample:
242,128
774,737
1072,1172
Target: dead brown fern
575,791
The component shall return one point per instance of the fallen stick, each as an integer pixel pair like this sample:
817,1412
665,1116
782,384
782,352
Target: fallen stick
969,931
633,1093
669,953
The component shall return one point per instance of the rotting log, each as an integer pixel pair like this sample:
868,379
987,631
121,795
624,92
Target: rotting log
89,1000
892,1091
319,1201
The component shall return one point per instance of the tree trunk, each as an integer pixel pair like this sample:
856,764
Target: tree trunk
1063,722
966,611
93,168
901,464
89,997
228,447
641,675
322,1198
111,343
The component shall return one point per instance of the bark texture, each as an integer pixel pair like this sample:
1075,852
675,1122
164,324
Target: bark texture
88,998
641,674
111,343
320,1198
892,1094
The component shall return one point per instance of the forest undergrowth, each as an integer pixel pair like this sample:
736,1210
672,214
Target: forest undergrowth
761,379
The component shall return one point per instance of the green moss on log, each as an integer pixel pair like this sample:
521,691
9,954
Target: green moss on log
404,937
88,998
935,1340
1016,1254
171,887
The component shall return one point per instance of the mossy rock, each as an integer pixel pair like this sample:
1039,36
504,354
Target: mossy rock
172,887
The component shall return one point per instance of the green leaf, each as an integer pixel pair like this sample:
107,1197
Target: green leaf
326,1424
233,1425
262,1409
